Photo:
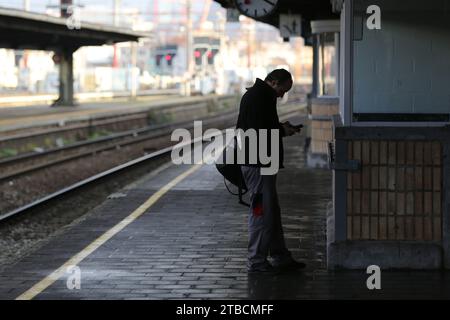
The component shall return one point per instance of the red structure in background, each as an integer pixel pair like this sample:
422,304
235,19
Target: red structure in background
115,62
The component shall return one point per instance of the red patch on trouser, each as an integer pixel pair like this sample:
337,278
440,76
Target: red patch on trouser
257,205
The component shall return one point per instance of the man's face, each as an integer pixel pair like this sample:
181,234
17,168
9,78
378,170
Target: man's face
281,88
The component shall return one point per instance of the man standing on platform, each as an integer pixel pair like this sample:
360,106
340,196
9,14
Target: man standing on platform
258,111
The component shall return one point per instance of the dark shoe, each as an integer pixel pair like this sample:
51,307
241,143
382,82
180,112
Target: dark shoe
266,269
292,265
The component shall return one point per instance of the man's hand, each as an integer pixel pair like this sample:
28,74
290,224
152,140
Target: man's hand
289,129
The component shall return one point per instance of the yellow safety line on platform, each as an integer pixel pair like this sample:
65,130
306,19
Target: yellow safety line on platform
75,260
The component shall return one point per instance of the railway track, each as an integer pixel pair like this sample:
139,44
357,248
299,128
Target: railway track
17,166
116,177
81,129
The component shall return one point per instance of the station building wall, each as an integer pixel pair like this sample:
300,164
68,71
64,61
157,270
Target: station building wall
404,67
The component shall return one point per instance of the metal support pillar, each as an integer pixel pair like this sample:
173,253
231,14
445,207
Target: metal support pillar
315,69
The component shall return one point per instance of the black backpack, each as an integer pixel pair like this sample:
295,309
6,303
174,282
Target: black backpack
232,172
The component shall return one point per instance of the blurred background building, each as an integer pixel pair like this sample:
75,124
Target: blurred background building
191,47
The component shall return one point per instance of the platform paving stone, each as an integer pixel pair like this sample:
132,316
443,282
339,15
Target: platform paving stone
191,244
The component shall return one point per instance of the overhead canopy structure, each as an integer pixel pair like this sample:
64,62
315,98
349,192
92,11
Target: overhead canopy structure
309,10
26,30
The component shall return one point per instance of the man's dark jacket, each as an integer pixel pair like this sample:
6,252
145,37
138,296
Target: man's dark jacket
258,110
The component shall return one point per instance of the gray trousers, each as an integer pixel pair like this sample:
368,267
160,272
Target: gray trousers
265,231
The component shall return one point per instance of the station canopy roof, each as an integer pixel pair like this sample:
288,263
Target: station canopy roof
309,10
25,30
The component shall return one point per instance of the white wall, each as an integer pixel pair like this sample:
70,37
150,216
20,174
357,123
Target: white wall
405,66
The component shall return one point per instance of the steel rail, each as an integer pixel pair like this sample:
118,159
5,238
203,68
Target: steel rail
124,138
